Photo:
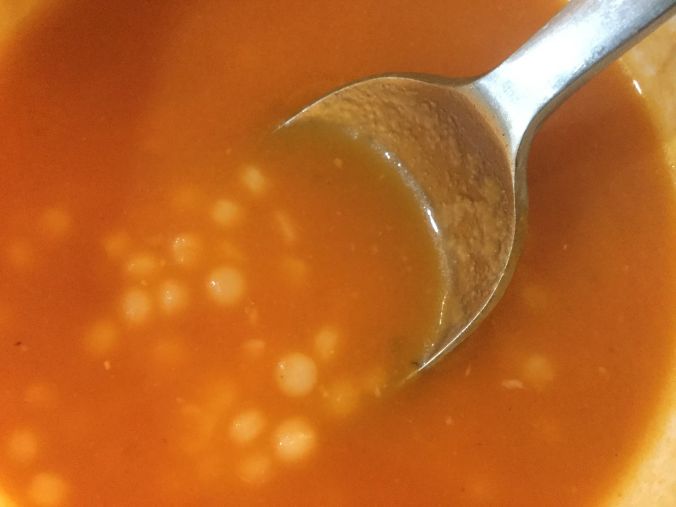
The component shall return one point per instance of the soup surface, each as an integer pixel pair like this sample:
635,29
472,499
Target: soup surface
188,320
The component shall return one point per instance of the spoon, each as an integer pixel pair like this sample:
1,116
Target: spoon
463,143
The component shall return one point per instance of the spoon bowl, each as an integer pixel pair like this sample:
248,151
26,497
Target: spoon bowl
451,154
463,144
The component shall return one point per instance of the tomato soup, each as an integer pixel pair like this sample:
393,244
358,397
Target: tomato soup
187,318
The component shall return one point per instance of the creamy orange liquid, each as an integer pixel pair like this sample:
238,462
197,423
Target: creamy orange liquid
188,320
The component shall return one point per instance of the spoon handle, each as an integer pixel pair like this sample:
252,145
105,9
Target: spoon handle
578,42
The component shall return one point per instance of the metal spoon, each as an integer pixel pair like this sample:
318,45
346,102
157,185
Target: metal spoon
464,143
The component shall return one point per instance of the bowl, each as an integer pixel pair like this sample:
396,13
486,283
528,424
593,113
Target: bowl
652,66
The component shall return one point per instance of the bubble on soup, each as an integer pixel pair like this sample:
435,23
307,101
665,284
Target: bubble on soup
136,306
294,440
253,180
247,426
22,446
285,227
296,374
255,469
186,249
538,371
341,398
142,265
55,223
47,490
101,338
326,342
172,297
225,285
226,213
116,244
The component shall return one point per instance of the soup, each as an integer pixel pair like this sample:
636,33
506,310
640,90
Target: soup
187,319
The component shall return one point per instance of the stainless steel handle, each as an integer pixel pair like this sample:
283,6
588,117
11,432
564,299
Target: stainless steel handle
578,42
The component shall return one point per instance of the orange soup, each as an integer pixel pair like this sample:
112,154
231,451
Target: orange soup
188,319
